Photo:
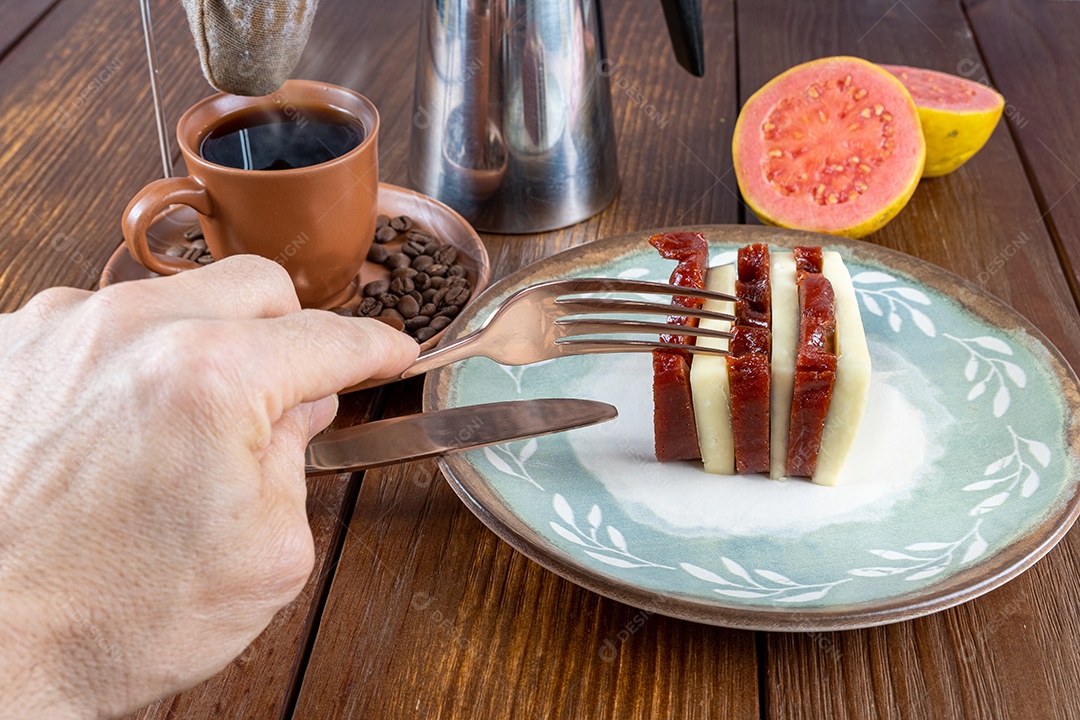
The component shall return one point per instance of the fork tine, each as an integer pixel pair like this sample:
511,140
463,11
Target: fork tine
589,326
622,285
579,306
575,346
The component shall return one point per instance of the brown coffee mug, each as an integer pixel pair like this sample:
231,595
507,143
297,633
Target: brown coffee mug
317,221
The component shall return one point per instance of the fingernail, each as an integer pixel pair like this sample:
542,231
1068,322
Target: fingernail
322,414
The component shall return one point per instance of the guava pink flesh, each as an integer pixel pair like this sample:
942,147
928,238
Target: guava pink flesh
941,91
838,144
827,142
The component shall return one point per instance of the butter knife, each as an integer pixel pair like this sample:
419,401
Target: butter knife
412,437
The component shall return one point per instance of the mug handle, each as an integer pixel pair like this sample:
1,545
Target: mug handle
143,210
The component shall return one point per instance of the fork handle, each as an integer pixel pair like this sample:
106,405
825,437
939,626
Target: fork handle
428,360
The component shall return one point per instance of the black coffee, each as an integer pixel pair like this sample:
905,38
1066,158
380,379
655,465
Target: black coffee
280,139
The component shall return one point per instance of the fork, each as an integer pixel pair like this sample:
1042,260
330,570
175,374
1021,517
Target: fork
538,323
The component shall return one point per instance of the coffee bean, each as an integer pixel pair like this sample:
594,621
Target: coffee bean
388,299
385,234
446,255
448,311
422,262
342,311
403,272
398,260
191,253
401,223
438,282
419,235
401,285
457,282
429,294
457,271
436,270
417,296
199,242
395,322
376,287
428,309
205,259
412,248
457,296
415,323
378,254
432,247
192,233
175,250
422,281
425,333
392,314
381,221
440,296
369,307
439,322
408,307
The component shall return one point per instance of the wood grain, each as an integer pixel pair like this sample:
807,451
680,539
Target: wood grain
1028,51
430,615
78,138
987,658
17,17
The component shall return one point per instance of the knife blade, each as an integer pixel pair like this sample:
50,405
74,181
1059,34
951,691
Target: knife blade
412,437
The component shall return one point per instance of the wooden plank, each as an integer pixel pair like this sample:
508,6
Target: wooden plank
1029,54
78,137
17,17
429,613
1002,655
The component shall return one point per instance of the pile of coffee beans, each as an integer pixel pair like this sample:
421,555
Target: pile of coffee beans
426,289
196,251
427,286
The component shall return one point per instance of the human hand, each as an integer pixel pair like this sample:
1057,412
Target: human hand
152,492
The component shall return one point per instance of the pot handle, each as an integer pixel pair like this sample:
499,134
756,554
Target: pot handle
684,26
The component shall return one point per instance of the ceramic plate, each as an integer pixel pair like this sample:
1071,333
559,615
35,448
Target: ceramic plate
965,471
429,214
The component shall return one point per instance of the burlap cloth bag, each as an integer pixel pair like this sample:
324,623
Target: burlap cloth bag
249,48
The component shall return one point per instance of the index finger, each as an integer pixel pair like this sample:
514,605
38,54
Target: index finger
307,355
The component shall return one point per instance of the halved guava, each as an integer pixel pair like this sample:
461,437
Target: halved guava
833,145
958,115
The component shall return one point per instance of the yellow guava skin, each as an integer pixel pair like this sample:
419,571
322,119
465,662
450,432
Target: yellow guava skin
952,138
953,134
874,223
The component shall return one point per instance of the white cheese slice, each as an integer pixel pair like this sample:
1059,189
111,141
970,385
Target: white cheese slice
852,375
709,382
785,341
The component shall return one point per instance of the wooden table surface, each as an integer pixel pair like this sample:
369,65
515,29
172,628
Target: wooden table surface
415,609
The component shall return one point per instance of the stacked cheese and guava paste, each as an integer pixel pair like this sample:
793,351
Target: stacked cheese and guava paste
789,396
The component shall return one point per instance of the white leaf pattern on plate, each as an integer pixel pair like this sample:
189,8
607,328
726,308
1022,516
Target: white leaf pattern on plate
939,556
994,368
778,588
1023,473
616,554
500,457
896,298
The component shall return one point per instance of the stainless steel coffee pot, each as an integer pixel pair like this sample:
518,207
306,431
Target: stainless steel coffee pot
512,123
